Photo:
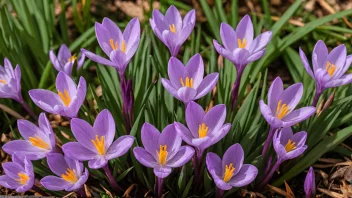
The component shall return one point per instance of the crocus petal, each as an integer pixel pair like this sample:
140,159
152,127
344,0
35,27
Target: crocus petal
214,163
224,52
82,180
80,60
176,70
120,59
309,183
68,68
144,157
97,59
171,42
300,138
343,69
220,182
190,17
171,139
254,57
150,137
346,79
218,135
292,95
295,153
97,163
215,118
245,176
244,30
12,169
103,35
54,183
57,163
45,126
119,147
27,129
260,42
297,116
25,149
234,155
158,24
173,16
186,94
195,70
169,87
320,53
207,85
194,117
54,61
104,125
114,31
65,82
162,172
131,33
78,100
275,90
184,34
64,53
184,133
268,115
240,58
76,151
46,100
201,143
84,133
337,56
305,62
8,182
184,154
228,37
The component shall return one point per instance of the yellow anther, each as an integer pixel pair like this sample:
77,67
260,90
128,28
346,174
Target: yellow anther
114,46
72,58
172,28
330,68
290,146
242,43
123,46
99,144
39,142
229,170
189,82
281,110
22,178
70,176
202,130
162,154
3,81
65,97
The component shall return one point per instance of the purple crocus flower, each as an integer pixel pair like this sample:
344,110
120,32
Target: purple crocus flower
204,129
162,151
230,171
186,82
67,101
65,60
309,183
71,174
328,68
38,141
240,48
19,174
287,146
10,81
280,109
96,143
171,29
119,47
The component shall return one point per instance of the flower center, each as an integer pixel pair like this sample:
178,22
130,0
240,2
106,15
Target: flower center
290,146
202,130
72,58
22,178
99,144
70,176
172,28
3,81
330,68
229,170
115,45
39,142
162,154
281,110
242,43
65,97
189,82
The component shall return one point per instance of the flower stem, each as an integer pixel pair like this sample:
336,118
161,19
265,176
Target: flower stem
317,95
112,181
128,100
81,192
219,192
28,109
158,187
268,140
197,163
270,174
40,191
236,87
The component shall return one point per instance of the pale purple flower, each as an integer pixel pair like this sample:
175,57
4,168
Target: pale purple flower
309,183
239,46
10,81
280,110
65,60
162,151
288,145
186,82
96,143
38,141
171,29
119,47
204,129
328,68
230,171
19,174
67,101
71,174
